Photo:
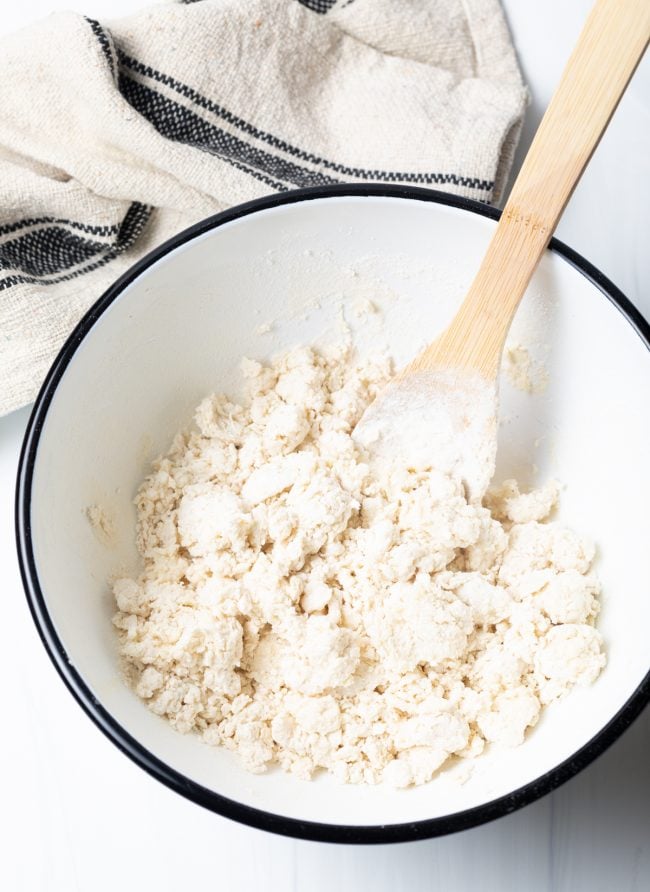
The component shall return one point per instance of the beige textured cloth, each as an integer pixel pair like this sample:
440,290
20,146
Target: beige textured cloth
114,136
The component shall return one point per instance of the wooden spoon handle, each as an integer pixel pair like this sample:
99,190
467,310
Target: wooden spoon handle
610,47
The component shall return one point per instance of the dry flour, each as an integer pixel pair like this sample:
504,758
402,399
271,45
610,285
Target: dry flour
301,608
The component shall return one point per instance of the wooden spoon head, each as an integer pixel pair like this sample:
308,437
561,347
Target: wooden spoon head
436,418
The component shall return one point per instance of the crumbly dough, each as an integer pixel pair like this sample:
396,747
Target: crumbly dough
522,371
303,608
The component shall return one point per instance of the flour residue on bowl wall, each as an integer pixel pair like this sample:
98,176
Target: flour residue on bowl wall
522,371
362,300
103,525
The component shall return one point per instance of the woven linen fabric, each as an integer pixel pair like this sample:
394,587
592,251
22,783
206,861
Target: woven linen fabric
114,136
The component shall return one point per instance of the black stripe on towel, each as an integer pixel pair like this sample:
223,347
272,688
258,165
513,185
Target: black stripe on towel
73,224
48,255
45,252
319,6
361,173
106,43
180,124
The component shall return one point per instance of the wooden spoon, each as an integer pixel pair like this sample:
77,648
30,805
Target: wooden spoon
441,409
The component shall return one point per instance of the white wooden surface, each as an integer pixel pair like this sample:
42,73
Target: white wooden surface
78,815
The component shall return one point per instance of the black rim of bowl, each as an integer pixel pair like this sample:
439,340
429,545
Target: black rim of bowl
120,737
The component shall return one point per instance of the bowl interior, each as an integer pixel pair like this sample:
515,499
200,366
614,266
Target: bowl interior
178,332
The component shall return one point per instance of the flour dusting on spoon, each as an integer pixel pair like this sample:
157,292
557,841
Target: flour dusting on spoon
441,419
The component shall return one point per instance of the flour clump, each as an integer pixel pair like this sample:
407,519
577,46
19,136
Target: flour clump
302,607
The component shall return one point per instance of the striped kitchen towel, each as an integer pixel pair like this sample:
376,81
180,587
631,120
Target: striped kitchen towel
113,136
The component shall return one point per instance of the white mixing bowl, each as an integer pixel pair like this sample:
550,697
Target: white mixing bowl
174,329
